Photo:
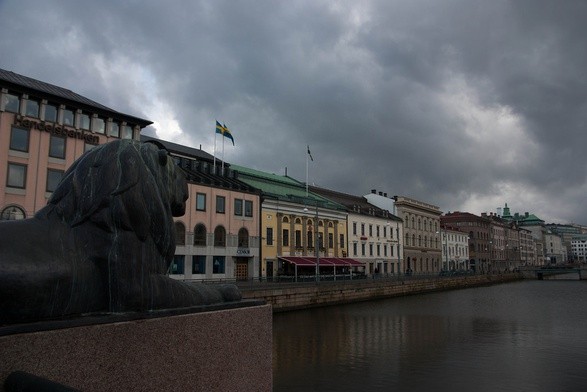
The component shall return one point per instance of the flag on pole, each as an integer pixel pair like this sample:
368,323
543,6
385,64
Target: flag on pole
310,154
224,131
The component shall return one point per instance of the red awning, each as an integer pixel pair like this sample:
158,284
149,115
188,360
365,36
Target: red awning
324,261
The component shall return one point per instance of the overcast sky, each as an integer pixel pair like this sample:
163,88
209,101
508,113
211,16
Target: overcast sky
464,104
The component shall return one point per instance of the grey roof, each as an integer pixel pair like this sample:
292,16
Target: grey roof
22,83
179,149
357,204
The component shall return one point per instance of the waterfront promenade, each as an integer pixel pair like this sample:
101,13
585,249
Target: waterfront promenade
284,296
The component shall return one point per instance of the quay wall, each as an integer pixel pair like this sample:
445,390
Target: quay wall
285,297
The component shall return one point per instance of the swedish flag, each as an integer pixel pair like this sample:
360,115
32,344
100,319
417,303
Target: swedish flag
224,131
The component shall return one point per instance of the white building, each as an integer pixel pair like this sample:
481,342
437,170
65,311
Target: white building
579,248
455,249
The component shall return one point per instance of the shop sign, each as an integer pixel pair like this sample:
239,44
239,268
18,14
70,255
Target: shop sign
243,251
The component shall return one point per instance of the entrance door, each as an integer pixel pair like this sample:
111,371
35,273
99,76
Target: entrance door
242,271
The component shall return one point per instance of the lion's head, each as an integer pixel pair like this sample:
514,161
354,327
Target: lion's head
123,185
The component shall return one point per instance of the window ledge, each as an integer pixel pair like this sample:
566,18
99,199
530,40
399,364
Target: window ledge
15,191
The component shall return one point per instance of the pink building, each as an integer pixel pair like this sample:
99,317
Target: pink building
218,237
43,129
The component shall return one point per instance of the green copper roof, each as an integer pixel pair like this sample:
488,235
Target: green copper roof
282,188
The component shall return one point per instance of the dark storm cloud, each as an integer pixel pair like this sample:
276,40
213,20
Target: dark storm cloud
462,104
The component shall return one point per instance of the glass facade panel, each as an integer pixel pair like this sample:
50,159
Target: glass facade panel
32,108
11,103
199,265
114,130
218,265
99,125
16,175
84,121
178,265
68,117
57,147
19,139
50,113
53,179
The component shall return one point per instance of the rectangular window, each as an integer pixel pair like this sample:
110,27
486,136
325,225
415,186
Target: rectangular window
298,238
200,202
384,231
384,250
177,267
269,236
370,249
114,130
53,179
57,147
99,125
377,231
341,241
16,175
68,117
11,103
220,201
127,132
354,228
238,207
378,250
218,265
84,121
391,249
362,249
330,240
285,239
32,108
362,229
355,248
248,208
19,139
51,113
199,265
370,230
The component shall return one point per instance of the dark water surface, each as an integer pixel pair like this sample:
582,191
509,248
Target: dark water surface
523,336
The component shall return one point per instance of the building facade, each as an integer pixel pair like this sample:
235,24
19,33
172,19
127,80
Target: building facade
218,237
421,237
455,249
479,237
43,130
373,233
299,228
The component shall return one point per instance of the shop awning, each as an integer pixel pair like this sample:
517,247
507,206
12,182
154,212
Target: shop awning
324,261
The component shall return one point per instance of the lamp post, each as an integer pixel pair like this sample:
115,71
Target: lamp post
444,248
316,242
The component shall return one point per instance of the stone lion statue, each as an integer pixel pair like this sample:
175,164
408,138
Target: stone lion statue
104,241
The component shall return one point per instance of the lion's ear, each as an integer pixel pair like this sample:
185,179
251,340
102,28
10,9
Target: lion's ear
163,157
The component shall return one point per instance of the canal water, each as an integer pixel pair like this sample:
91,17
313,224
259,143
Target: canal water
522,336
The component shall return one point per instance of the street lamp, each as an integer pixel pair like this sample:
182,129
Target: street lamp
444,248
316,242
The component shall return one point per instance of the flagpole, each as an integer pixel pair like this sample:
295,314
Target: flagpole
307,156
215,151
222,154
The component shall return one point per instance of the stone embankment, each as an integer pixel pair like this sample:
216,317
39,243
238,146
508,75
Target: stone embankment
291,296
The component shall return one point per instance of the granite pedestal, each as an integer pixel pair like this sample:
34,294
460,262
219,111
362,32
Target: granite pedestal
220,348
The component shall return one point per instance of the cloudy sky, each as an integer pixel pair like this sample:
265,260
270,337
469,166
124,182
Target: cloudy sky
464,104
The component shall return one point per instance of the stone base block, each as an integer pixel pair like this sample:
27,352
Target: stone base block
217,350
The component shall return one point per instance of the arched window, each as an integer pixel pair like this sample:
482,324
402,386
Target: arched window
12,213
285,219
413,224
243,238
179,233
200,235
413,239
419,224
419,240
425,241
219,236
407,239
298,221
